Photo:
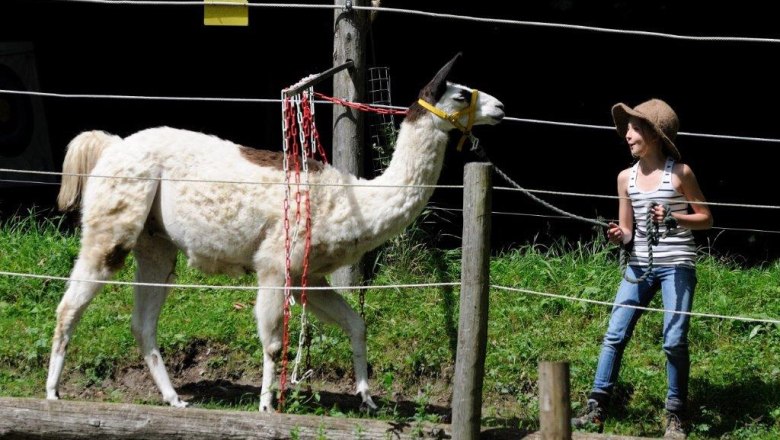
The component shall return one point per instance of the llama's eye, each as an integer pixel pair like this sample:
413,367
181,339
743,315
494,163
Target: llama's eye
463,96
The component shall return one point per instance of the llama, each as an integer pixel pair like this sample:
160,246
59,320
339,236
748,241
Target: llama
161,208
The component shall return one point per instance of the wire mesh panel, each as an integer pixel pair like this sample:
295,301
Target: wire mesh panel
382,127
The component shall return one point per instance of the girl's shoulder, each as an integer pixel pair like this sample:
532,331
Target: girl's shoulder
682,169
623,177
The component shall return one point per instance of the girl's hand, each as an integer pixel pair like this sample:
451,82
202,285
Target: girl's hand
614,233
658,213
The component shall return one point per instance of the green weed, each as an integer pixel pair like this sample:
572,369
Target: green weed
412,333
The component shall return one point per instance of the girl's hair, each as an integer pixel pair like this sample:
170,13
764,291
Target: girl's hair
646,128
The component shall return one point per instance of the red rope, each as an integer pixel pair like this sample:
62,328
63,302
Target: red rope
361,107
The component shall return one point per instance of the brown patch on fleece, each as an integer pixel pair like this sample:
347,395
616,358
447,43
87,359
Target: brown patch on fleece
115,258
273,159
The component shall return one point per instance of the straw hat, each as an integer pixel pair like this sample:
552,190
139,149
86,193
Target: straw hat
657,114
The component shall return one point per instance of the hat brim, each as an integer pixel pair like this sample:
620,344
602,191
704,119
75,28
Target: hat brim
621,113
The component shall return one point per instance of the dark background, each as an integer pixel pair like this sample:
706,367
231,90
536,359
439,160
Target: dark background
544,73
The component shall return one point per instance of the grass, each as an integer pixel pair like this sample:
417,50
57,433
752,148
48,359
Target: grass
412,334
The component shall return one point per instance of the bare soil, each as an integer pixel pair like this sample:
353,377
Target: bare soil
198,381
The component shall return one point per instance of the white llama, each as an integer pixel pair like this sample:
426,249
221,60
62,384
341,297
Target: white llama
162,207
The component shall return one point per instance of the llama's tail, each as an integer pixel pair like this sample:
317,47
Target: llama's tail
80,158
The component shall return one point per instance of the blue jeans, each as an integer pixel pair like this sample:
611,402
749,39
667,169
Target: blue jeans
677,284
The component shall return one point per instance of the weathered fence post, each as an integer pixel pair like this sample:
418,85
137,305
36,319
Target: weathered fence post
472,326
554,409
350,34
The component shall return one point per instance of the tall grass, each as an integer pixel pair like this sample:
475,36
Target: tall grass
735,383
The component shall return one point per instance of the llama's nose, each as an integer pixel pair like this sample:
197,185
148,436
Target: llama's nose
499,114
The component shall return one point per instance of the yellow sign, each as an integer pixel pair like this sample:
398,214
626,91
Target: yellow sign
223,14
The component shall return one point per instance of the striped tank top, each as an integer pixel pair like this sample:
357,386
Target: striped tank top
678,247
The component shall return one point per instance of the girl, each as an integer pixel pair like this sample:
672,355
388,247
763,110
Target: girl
659,183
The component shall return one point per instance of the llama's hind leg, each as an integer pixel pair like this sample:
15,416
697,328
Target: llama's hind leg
72,305
330,307
156,259
269,312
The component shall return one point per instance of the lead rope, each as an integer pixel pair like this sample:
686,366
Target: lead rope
652,227
653,238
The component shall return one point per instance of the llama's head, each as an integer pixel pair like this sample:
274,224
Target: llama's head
453,105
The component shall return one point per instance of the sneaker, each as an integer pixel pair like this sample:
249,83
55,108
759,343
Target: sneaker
674,427
592,416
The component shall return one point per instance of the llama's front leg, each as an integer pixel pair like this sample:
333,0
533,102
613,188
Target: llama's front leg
269,312
75,300
156,259
330,307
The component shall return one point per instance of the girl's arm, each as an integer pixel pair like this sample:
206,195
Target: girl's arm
701,218
622,232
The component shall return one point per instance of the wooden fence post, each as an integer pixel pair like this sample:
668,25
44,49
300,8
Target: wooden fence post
554,409
472,326
350,34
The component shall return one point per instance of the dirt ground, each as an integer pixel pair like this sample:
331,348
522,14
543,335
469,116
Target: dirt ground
201,382
198,382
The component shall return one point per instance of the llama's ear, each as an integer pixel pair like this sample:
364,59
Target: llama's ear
438,84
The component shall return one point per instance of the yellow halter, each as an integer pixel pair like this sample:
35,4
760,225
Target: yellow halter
454,117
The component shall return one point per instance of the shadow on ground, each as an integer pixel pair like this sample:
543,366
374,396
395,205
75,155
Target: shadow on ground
227,393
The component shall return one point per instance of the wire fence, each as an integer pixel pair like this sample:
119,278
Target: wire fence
150,3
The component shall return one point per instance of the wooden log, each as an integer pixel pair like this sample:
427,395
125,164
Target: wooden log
554,408
23,418
475,284
574,436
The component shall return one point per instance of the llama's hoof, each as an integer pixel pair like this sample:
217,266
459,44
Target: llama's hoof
178,403
266,403
53,395
368,405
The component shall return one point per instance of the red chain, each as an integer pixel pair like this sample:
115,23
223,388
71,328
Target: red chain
291,134
307,126
307,116
307,249
297,162
362,107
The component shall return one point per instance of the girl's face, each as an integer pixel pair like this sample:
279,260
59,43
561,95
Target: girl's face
640,139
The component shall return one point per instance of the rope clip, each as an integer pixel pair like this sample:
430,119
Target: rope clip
475,147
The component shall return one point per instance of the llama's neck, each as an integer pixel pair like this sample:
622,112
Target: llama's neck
418,157
371,212
417,161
